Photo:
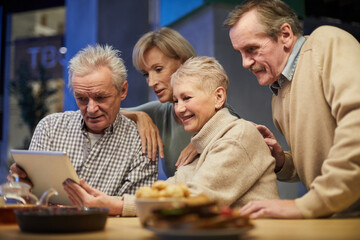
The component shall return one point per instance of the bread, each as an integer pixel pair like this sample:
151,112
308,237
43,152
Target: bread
161,189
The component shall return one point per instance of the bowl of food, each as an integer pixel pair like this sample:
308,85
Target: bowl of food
198,218
159,195
202,216
61,219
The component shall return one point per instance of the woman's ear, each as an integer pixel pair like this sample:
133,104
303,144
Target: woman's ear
220,97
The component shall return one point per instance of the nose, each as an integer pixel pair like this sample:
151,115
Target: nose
180,107
247,61
92,106
151,80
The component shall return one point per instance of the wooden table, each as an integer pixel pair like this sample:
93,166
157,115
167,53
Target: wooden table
130,228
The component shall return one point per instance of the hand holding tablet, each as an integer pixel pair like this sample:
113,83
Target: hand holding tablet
46,170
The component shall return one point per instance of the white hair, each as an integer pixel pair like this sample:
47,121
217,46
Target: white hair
93,57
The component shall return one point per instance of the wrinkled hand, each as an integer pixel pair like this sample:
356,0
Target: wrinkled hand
14,168
84,195
150,136
149,133
275,148
271,209
186,155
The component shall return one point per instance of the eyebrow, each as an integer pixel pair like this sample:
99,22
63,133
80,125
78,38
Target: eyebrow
97,93
156,65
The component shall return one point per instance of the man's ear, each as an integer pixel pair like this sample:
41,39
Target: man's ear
286,36
220,97
124,90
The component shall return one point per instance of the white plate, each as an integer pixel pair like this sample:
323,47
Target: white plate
223,234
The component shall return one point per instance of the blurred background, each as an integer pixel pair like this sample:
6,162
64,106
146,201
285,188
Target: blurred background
38,37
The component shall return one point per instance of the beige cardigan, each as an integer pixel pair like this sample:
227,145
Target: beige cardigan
234,167
319,114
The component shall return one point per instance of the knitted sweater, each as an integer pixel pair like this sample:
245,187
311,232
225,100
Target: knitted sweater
319,114
235,165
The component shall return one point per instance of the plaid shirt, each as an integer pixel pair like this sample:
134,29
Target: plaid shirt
115,165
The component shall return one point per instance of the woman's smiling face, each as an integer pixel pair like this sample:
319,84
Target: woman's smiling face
192,105
157,70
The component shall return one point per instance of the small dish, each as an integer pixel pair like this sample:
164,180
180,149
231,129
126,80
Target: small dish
62,219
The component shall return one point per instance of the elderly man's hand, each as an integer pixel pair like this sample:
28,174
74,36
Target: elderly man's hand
84,195
14,168
275,148
271,209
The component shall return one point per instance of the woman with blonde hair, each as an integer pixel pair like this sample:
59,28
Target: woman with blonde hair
157,55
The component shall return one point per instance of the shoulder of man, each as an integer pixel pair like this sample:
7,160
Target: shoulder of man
62,116
328,32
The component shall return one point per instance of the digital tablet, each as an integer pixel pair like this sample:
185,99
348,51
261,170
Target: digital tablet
46,170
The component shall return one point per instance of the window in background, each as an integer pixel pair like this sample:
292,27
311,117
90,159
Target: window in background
36,71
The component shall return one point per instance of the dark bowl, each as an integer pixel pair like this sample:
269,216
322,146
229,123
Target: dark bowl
62,220
7,215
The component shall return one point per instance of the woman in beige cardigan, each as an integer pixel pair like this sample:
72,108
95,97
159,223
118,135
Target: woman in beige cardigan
234,164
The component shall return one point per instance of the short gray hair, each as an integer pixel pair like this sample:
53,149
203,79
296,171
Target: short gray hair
207,70
93,57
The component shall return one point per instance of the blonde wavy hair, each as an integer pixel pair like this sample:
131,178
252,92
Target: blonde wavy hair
171,43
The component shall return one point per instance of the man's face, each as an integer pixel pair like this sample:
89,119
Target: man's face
264,57
98,99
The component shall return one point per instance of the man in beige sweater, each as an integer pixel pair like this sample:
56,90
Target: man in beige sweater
316,106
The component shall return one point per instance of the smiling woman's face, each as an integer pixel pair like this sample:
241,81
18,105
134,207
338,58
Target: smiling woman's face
192,105
157,71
